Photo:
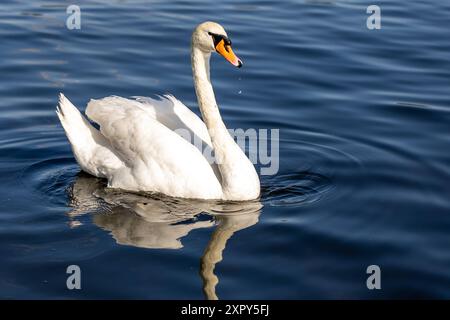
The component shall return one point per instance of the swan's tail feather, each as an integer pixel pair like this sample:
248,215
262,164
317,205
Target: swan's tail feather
81,134
90,148
74,124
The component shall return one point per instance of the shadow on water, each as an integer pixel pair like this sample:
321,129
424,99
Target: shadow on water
157,222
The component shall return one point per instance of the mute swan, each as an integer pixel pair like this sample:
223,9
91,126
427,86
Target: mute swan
137,148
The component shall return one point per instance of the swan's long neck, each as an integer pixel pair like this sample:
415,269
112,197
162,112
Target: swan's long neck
239,178
205,93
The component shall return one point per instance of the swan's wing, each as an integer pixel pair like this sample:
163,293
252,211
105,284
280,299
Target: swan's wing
168,111
156,158
175,115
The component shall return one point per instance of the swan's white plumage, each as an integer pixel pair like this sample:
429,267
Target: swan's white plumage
151,152
140,146
167,110
135,151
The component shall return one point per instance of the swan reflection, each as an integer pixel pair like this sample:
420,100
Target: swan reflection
159,222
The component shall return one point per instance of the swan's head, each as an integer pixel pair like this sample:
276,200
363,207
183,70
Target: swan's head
211,36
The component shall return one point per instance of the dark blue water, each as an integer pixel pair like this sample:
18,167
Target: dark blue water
364,119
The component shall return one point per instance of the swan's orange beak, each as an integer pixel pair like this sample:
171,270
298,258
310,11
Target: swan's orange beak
225,51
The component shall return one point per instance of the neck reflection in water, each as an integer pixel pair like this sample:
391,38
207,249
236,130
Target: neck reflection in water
159,222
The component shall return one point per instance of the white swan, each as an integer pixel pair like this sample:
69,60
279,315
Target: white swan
137,148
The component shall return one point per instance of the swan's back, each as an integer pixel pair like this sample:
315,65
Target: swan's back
167,110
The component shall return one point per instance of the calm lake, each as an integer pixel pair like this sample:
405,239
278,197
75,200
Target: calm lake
364,152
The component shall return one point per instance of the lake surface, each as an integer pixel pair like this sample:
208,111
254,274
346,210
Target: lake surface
364,165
